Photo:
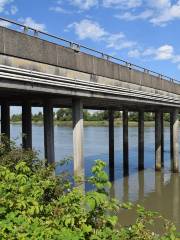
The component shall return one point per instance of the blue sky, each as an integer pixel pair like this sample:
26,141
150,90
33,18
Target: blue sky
144,32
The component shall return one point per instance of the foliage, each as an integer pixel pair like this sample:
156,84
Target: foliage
37,117
36,204
16,117
65,114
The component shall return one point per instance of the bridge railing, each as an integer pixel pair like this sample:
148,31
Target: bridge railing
79,48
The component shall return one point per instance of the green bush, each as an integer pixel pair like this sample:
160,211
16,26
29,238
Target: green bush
36,204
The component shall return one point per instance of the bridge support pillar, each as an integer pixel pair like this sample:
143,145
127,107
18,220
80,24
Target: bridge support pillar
78,138
174,128
5,119
125,143
141,140
26,126
49,132
111,145
158,129
162,139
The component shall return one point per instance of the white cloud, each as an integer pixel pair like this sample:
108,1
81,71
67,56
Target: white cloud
84,4
88,4
119,41
176,59
164,52
113,39
4,24
13,10
135,53
131,17
149,52
157,12
7,8
32,23
122,3
59,9
167,14
88,29
3,4
159,4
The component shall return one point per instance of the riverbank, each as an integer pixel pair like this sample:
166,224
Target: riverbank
117,123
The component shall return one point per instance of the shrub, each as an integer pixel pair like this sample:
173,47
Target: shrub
36,204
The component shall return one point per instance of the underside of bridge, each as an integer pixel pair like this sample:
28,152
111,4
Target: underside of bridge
30,98
34,72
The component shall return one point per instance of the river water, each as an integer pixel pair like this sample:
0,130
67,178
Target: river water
155,191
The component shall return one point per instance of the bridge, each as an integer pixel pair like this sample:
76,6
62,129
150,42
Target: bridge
40,69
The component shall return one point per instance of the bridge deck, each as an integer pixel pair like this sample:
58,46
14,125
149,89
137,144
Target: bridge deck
58,70
37,72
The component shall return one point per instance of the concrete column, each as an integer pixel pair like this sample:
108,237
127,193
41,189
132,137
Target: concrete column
5,119
78,138
158,141
162,139
26,126
125,143
174,132
141,141
111,145
49,132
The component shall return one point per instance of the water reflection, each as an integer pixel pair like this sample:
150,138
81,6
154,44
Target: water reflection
155,190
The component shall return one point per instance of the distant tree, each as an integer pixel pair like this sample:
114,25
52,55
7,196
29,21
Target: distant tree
149,116
117,114
167,117
64,114
16,117
133,116
37,117
87,115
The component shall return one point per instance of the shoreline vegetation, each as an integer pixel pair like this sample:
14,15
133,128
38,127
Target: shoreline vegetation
37,204
104,123
63,117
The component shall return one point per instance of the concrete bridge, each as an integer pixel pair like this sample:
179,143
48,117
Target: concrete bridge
39,69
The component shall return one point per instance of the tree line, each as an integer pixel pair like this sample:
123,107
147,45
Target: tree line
65,114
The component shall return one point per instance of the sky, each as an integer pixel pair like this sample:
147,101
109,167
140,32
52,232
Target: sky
144,32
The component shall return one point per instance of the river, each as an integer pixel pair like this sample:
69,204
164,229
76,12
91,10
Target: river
155,191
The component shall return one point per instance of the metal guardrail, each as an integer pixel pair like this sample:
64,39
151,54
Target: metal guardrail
81,48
